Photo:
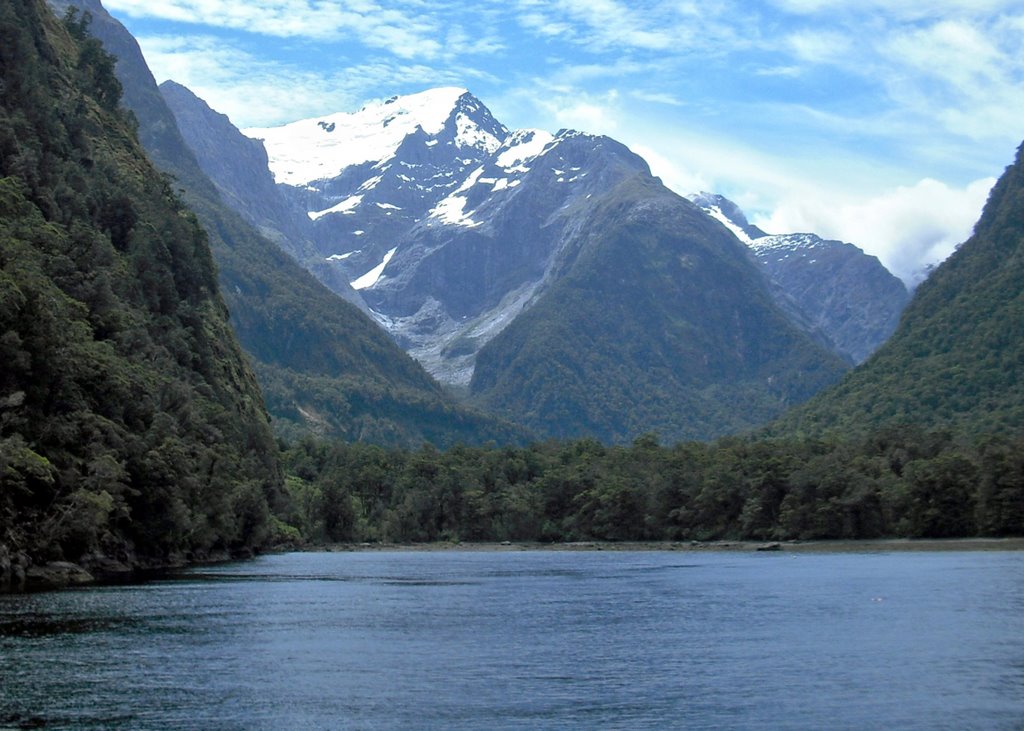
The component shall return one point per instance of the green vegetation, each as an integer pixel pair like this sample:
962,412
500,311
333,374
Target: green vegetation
662,323
957,359
898,482
924,440
130,424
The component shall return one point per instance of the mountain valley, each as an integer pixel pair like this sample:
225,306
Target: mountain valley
410,323
450,228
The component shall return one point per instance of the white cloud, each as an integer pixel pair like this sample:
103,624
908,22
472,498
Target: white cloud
902,9
818,46
551,106
404,34
968,76
257,92
676,177
658,26
907,228
656,97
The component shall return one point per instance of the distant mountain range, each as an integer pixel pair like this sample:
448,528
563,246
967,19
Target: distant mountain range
551,279
833,287
451,227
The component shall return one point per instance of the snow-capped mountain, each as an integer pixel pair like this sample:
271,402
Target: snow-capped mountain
549,275
486,251
365,178
416,202
836,287
729,215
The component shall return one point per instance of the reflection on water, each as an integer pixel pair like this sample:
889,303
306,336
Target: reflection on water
529,640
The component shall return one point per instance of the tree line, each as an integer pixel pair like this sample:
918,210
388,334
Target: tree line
899,481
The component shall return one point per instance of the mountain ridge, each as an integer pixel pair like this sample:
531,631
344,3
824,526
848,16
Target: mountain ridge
449,244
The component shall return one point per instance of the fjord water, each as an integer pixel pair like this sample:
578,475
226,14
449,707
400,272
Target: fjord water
530,640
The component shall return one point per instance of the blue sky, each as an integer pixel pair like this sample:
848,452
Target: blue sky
881,122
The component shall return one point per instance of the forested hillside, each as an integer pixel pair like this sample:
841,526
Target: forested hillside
957,359
131,427
660,323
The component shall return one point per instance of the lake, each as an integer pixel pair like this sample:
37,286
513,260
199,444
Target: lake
530,640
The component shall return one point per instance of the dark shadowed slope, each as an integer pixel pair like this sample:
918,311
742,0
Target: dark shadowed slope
131,426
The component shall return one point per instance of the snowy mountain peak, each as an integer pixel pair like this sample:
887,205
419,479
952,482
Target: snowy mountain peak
728,214
791,242
321,148
521,147
475,126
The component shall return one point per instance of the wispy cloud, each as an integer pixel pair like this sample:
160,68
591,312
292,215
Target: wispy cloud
656,97
963,70
968,76
256,92
658,26
819,46
904,10
394,28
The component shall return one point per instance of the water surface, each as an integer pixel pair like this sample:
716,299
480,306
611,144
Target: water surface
530,640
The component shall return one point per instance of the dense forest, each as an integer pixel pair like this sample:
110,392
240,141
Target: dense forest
131,427
899,481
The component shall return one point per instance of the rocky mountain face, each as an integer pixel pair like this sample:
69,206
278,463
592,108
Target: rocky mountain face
486,252
831,287
237,165
843,292
391,191
364,179
322,364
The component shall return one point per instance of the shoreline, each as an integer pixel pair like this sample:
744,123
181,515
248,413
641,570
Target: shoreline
878,545
63,575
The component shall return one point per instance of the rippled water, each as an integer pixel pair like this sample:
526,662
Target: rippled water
530,640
